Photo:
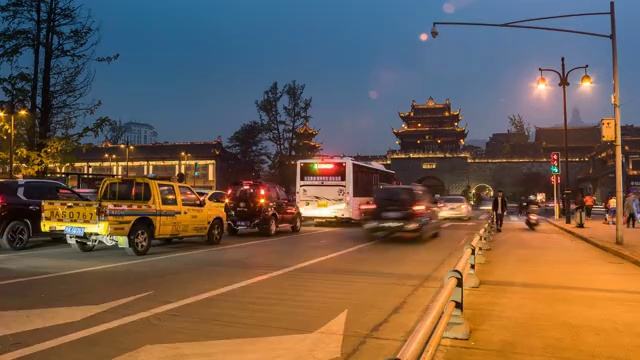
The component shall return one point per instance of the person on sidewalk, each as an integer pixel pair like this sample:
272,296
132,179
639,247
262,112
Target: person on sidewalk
629,211
589,201
499,207
612,210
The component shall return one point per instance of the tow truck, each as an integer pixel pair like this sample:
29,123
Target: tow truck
131,212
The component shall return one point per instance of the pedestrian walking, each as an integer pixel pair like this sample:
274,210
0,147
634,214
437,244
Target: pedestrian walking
589,201
612,206
629,210
499,207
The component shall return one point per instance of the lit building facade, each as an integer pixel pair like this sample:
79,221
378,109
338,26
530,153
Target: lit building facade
139,133
431,127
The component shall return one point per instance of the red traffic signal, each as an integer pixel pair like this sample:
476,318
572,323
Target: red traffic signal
553,179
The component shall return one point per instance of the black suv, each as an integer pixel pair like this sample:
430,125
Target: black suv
20,208
261,205
401,210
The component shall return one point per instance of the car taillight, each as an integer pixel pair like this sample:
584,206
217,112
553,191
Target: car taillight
419,208
440,204
261,201
261,191
103,214
367,206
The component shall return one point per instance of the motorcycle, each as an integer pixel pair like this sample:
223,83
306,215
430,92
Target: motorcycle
531,221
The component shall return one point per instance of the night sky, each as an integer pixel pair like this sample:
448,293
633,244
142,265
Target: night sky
193,68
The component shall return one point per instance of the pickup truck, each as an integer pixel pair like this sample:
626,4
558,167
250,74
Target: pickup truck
131,212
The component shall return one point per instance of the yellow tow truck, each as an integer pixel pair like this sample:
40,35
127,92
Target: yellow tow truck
131,212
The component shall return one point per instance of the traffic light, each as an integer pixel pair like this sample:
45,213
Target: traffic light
555,163
553,179
196,172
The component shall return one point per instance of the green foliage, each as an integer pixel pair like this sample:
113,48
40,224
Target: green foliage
520,128
47,49
281,113
248,146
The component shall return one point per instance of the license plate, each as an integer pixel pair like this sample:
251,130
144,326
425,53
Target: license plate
323,204
71,230
392,215
243,223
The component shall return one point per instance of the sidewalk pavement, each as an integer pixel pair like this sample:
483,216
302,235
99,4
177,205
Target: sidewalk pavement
603,236
546,295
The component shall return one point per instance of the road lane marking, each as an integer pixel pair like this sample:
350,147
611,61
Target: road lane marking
131,318
27,252
45,276
22,320
322,344
467,224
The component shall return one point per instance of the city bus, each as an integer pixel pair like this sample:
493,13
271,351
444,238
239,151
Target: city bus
332,188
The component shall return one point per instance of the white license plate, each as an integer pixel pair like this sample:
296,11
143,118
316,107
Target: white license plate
71,230
392,215
243,223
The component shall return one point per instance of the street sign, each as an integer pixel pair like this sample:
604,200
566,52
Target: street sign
555,162
608,128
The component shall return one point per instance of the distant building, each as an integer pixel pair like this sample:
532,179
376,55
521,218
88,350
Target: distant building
431,127
581,140
139,133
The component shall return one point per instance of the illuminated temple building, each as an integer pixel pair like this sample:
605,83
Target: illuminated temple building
431,127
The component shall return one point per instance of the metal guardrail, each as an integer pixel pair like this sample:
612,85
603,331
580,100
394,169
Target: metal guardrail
444,318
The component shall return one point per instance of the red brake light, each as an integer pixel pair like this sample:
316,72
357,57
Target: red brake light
440,204
261,191
229,192
419,208
245,187
367,206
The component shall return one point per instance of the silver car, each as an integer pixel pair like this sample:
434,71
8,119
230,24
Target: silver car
454,207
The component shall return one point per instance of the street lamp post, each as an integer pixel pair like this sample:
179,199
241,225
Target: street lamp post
127,146
184,166
616,90
110,157
11,111
564,82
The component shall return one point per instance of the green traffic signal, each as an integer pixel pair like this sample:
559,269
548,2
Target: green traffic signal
555,170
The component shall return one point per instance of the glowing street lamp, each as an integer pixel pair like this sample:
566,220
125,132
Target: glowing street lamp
11,111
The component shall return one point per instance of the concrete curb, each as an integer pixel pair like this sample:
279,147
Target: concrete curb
610,250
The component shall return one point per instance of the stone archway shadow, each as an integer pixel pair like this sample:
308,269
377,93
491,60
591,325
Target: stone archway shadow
434,184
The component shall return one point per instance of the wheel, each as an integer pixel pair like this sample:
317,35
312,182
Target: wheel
214,235
16,236
83,246
272,227
297,224
232,231
140,238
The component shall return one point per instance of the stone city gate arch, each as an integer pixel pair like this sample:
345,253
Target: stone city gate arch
483,188
434,184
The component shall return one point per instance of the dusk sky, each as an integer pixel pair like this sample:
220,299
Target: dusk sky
193,68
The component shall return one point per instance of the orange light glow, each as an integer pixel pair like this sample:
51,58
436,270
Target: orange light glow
325,166
424,37
261,191
542,83
419,208
262,201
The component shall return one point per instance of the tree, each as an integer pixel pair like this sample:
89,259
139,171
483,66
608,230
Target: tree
280,122
520,128
114,131
248,146
49,48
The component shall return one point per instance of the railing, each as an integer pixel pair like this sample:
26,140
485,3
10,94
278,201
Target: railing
444,318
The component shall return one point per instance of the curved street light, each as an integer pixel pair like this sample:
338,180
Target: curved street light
616,89
564,82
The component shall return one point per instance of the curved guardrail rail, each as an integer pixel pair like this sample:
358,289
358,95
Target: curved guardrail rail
444,317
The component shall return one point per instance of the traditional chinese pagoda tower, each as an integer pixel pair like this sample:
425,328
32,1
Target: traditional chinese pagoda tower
305,147
431,127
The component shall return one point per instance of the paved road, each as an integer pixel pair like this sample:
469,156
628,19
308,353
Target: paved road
324,293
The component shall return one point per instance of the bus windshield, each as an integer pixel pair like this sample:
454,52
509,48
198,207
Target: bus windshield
319,171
